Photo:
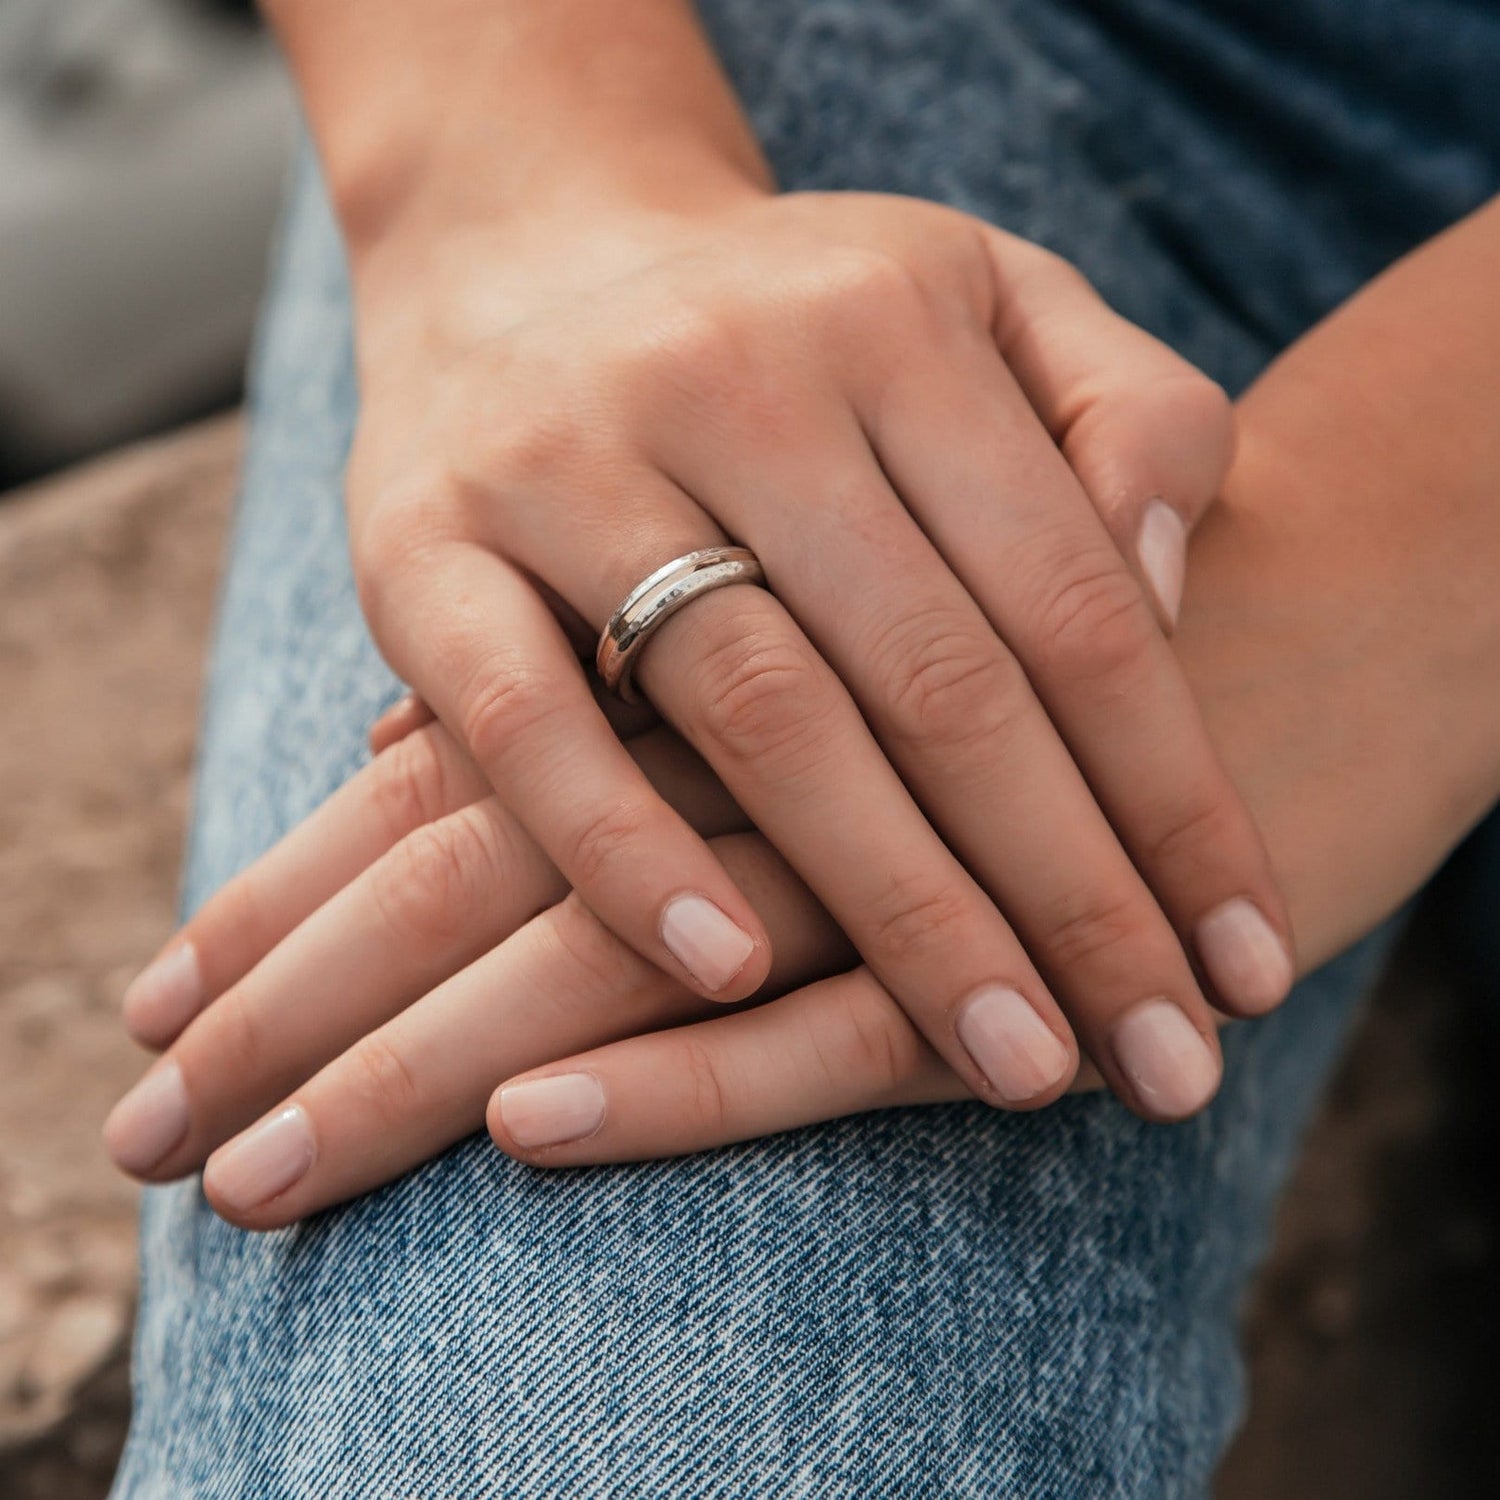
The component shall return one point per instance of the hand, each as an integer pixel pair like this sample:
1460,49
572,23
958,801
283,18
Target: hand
411,872
952,708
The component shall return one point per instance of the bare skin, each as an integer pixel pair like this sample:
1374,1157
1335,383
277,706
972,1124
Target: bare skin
1340,631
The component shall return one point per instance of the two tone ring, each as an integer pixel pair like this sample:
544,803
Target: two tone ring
657,597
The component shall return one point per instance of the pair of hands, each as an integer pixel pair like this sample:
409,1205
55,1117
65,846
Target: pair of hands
955,715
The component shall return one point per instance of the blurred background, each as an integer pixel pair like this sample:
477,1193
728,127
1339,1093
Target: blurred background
142,146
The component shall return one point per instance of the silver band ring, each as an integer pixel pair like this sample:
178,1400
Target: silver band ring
656,598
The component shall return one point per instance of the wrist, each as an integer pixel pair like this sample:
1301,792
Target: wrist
450,263
414,189
484,111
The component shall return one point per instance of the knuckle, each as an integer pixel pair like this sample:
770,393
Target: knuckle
1201,405
1060,272
510,706
433,884
1095,626
943,684
384,545
911,922
1089,925
701,346
595,962
380,1079
871,296
229,1037
1188,834
706,1088
874,276
533,451
410,787
614,836
762,702
877,1044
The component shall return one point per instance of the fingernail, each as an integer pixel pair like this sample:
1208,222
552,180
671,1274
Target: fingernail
1010,1044
711,947
549,1111
144,1127
1246,960
165,995
1162,548
266,1160
1166,1059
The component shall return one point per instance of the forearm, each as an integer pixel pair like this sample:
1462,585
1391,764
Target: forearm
1358,543
502,106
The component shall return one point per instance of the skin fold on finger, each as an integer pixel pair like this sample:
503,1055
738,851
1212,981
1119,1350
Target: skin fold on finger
953,711
420,1082
422,778
468,631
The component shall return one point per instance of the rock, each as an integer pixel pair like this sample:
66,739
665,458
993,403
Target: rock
75,1343
107,577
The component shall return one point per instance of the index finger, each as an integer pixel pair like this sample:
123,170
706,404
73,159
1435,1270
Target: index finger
474,638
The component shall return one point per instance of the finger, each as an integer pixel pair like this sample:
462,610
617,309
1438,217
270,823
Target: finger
422,911
420,1082
412,785
839,1047
967,455
474,637
420,779
399,720
1149,436
952,708
742,683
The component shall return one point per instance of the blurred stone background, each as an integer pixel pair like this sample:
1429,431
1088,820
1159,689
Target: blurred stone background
133,225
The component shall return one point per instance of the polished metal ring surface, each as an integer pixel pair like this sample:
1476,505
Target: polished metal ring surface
656,598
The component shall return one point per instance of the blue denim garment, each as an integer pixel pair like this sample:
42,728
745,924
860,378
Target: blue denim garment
947,1301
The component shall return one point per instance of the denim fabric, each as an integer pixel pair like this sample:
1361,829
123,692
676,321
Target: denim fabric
946,1301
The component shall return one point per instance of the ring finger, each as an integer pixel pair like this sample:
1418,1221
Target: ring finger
953,709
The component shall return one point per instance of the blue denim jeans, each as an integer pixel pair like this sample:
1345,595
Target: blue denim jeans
942,1301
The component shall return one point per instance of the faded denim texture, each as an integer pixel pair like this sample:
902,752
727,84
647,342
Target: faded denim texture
947,1301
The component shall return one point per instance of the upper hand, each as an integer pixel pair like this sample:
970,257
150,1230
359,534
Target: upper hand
953,711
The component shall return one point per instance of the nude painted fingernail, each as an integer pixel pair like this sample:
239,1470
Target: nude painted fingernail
710,946
164,996
149,1122
1166,1059
549,1111
1010,1044
266,1160
1246,960
1162,548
